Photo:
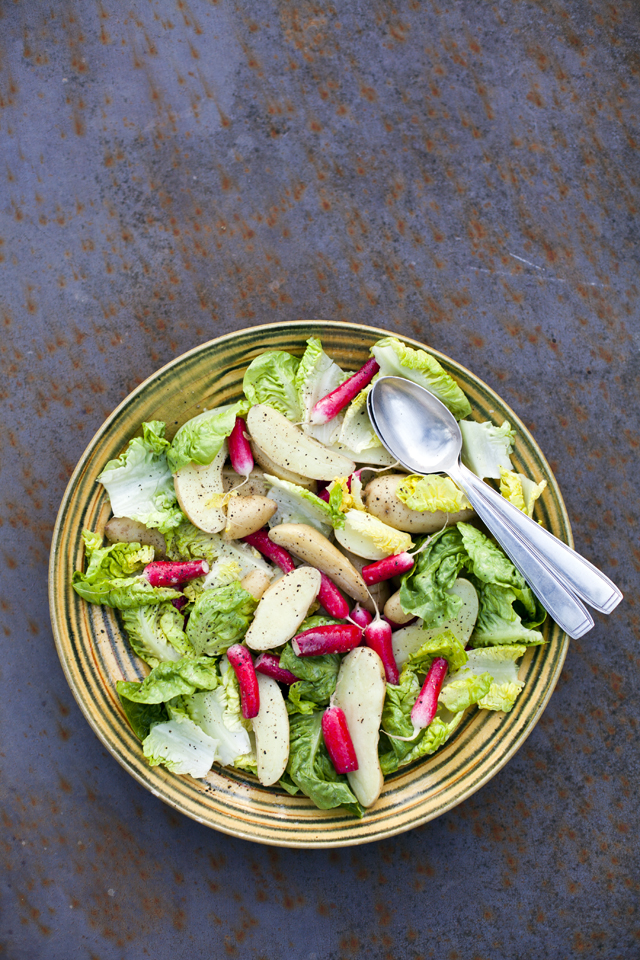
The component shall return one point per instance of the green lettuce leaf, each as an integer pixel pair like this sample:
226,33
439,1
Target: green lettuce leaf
396,722
445,645
139,482
500,664
318,676
141,716
218,714
122,594
520,490
461,692
220,617
498,620
180,746
310,768
424,589
397,360
200,439
115,561
156,633
297,505
271,379
374,534
171,679
431,493
318,375
486,448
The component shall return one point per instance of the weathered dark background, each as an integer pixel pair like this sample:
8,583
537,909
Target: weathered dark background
463,172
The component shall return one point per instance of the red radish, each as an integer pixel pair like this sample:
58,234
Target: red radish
333,638
240,659
424,709
331,405
378,636
239,449
361,616
324,495
269,664
387,568
180,603
331,599
260,540
166,573
338,740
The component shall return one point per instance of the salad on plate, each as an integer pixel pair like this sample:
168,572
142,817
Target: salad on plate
309,612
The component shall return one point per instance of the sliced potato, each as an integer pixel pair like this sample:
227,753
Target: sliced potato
256,486
393,610
124,530
380,500
292,449
283,608
256,583
269,466
409,639
378,591
360,692
245,515
271,729
311,546
196,486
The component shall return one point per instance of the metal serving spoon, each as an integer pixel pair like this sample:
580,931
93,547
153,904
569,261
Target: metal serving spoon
424,436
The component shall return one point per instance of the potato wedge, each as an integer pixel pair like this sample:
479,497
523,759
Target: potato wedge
409,639
124,530
196,485
311,546
380,500
271,729
360,692
245,515
256,486
292,449
256,583
282,609
275,470
394,611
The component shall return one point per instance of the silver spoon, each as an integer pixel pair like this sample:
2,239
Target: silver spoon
424,436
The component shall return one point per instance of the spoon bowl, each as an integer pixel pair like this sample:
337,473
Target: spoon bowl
423,435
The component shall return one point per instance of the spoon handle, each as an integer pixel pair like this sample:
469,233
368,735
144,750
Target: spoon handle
574,570
565,608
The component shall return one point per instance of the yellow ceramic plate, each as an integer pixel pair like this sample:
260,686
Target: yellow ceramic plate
94,653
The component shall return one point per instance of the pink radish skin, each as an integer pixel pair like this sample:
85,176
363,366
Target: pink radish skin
166,573
361,616
387,568
240,659
378,636
424,709
338,740
324,495
331,599
179,603
280,556
269,664
331,405
333,638
239,449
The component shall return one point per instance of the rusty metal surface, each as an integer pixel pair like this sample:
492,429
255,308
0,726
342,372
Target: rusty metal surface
464,173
